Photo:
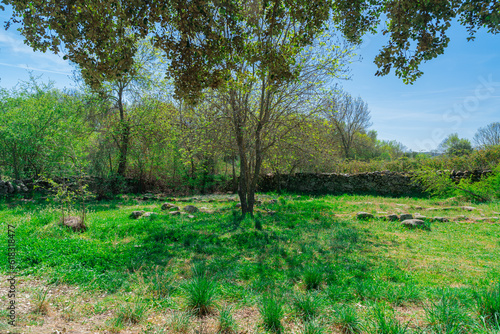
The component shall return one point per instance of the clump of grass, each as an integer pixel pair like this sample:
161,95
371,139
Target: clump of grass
488,305
40,301
386,323
161,285
347,320
271,311
201,294
447,315
227,325
313,277
307,306
131,314
180,322
313,327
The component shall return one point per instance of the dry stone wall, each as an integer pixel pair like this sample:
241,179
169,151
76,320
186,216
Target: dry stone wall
381,183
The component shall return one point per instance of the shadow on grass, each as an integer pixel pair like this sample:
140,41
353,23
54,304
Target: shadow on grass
295,241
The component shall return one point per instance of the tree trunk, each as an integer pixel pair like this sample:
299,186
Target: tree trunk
122,160
125,136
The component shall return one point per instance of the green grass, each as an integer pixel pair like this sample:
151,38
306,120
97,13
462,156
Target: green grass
311,246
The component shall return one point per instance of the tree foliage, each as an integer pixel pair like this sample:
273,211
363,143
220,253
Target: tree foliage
203,37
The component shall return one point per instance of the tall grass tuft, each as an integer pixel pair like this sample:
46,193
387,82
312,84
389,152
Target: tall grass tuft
180,322
307,306
132,314
347,320
488,305
313,277
313,327
386,323
227,325
447,315
271,311
201,294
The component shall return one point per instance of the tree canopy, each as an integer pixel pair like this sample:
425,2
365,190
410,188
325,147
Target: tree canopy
200,36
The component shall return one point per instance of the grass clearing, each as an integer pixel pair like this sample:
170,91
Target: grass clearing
147,275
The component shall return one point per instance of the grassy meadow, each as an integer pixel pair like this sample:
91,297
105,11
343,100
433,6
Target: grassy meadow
313,267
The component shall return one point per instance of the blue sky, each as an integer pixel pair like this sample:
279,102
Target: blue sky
459,91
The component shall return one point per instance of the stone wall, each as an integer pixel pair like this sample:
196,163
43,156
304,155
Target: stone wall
381,183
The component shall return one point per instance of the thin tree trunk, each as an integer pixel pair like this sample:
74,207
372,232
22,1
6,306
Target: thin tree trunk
125,136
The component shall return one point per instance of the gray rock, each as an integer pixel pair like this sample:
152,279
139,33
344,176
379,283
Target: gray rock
136,214
419,216
75,223
364,215
190,216
148,214
174,213
166,206
191,209
405,216
414,223
238,205
391,217
441,219
468,208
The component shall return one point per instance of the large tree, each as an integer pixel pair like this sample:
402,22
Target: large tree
94,32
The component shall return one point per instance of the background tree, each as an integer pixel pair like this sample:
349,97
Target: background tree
38,125
453,145
488,136
348,117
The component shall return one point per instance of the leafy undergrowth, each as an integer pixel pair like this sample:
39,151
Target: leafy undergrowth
326,270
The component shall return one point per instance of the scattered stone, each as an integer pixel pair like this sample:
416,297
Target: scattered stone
238,205
174,213
211,200
75,223
191,209
364,215
441,219
418,207
399,204
148,214
190,216
486,219
468,208
405,216
461,218
167,205
136,214
391,217
184,200
419,216
414,223
433,209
